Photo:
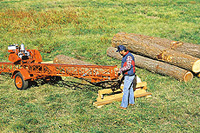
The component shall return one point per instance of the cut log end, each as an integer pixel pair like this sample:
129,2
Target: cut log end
188,76
196,66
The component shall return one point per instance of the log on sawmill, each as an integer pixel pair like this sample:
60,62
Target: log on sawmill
158,52
63,59
186,48
155,66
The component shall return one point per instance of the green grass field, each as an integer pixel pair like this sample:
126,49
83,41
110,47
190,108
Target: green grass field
83,29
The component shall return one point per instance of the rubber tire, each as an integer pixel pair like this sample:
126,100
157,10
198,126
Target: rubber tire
24,82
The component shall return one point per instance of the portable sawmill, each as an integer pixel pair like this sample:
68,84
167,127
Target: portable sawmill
25,66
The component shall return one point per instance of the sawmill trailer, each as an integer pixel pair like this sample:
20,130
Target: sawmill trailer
26,65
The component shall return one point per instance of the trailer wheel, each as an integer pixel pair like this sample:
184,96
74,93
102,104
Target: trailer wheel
20,83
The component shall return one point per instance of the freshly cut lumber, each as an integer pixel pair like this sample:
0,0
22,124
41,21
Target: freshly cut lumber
186,48
157,52
142,85
155,66
118,97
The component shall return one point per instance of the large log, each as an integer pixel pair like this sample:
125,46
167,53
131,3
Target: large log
158,52
155,66
186,48
63,59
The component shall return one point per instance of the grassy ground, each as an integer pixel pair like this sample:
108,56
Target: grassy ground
83,29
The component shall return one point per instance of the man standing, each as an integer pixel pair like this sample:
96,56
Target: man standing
128,71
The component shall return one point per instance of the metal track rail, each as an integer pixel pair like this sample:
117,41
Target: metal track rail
36,70
8,67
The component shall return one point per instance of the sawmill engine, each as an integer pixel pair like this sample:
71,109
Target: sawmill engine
20,54
23,54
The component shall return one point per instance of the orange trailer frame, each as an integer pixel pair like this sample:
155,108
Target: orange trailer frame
26,66
25,72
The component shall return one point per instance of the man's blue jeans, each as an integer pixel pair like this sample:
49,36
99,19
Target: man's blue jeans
128,94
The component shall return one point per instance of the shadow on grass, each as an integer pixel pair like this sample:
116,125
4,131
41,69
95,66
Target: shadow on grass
84,85
58,81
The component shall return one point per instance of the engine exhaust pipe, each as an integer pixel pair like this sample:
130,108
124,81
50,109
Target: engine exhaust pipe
22,48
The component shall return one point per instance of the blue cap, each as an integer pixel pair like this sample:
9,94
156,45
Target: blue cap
120,48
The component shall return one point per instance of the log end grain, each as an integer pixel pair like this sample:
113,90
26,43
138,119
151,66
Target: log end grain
196,66
188,76
198,75
111,51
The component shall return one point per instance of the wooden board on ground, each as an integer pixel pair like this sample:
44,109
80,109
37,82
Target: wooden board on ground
117,95
109,91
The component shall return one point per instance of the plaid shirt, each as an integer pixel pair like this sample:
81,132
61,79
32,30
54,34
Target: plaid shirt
128,65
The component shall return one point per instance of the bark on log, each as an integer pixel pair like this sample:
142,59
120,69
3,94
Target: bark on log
186,48
158,52
155,66
62,59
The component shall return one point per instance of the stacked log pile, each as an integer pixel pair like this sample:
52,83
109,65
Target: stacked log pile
155,66
160,55
186,48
